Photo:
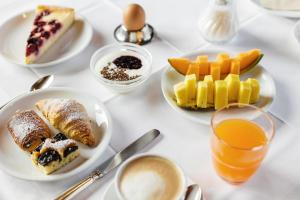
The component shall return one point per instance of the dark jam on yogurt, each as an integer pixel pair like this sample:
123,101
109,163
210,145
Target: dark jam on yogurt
122,68
128,62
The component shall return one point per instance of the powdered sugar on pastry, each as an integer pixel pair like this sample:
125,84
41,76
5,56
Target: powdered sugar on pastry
62,144
71,109
24,123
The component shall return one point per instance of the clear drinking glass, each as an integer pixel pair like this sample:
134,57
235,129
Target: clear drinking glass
240,140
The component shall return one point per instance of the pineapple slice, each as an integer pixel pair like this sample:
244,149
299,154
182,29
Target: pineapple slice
221,94
210,89
224,60
215,70
203,65
255,87
233,84
202,94
245,92
235,67
181,94
193,69
190,84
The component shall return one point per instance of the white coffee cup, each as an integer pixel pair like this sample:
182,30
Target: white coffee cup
150,177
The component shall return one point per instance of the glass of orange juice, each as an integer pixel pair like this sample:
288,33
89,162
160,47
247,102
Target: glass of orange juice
240,140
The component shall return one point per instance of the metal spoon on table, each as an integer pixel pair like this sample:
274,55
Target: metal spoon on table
41,83
193,192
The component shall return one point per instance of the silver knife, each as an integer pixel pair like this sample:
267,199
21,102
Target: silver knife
110,164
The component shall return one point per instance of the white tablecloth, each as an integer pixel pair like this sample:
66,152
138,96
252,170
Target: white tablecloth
135,113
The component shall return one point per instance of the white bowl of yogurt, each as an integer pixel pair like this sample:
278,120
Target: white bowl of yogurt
121,67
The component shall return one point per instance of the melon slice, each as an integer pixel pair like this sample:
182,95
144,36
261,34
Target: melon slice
247,60
221,94
203,65
193,69
225,61
180,64
235,67
215,70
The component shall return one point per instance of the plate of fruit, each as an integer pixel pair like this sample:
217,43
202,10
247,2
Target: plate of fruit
198,83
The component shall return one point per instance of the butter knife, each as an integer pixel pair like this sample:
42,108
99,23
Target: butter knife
110,164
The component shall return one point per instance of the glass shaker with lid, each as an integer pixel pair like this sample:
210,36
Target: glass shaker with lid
219,24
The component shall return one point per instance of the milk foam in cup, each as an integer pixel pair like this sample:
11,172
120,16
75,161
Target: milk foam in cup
147,177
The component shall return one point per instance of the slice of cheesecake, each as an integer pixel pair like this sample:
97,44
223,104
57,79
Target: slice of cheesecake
50,23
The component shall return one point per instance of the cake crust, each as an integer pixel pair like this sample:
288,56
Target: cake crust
42,8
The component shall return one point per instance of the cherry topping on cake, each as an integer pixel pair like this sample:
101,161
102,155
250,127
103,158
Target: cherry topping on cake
39,23
38,34
31,48
52,22
45,34
55,27
45,12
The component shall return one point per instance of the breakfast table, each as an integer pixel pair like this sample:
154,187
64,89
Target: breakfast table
134,113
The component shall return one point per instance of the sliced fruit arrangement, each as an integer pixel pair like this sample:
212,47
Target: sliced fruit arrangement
222,66
215,94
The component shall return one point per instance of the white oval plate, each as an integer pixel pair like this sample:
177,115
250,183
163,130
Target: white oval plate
15,31
170,77
282,13
18,163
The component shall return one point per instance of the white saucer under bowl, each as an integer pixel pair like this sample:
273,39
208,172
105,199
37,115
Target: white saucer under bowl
170,77
14,33
16,162
281,13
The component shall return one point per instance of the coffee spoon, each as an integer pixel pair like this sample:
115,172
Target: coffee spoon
41,83
193,192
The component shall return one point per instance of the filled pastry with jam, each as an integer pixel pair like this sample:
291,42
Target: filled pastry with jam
55,153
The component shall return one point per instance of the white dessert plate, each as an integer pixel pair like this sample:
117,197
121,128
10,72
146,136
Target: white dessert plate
14,33
170,77
282,13
18,163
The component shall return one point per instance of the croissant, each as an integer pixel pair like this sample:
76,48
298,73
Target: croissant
70,117
28,129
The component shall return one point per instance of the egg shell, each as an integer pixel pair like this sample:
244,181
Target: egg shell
134,17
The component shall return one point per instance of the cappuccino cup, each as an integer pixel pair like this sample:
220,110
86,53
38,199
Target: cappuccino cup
150,177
